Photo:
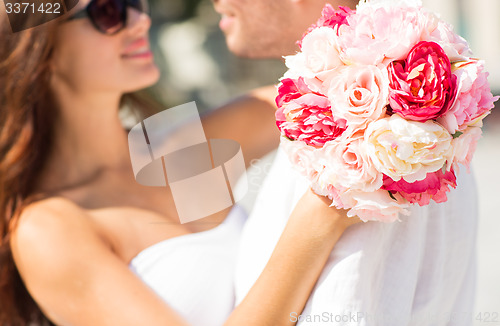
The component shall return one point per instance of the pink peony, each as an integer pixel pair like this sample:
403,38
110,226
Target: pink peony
422,87
373,206
377,35
290,89
463,148
434,186
436,30
306,116
330,18
474,100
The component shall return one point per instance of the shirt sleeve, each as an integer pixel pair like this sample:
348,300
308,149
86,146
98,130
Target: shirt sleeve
419,271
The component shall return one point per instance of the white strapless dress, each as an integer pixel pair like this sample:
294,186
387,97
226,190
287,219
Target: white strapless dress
194,273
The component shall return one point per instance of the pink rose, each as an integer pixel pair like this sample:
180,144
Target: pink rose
330,192
474,100
422,87
347,165
303,158
434,186
304,115
359,94
330,18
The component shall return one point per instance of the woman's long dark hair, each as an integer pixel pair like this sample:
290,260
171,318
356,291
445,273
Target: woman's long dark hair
27,114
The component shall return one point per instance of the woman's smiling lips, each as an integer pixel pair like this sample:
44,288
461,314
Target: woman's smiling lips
137,49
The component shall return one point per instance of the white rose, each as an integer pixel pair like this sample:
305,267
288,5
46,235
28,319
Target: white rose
319,53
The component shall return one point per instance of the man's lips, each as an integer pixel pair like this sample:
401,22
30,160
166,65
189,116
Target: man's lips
137,49
226,22
227,18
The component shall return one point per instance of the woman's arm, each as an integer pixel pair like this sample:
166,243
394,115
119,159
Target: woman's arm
250,120
76,279
73,274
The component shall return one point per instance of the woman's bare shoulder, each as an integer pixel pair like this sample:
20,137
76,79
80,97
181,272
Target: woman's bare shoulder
48,233
49,217
74,276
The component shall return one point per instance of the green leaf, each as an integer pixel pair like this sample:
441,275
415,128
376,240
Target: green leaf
457,134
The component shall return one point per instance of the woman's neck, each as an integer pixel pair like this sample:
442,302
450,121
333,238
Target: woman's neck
88,140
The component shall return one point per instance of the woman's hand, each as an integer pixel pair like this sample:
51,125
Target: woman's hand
316,212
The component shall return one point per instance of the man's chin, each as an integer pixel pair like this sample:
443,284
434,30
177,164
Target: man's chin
246,47
243,50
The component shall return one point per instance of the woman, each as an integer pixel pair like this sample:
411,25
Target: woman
82,242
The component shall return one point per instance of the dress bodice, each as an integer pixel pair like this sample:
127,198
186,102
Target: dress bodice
193,273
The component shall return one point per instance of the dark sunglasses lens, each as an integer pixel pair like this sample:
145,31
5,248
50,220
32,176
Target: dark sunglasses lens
108,15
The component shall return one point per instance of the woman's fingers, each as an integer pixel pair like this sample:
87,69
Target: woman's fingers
317,209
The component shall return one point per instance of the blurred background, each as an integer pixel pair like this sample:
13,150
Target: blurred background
196,65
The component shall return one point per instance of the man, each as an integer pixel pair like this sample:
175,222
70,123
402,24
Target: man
419,271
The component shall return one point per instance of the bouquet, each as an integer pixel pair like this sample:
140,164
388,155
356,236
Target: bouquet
381,106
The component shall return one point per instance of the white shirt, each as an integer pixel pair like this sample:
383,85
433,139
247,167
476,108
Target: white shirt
420,271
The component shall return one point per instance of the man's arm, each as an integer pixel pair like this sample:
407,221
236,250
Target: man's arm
249,120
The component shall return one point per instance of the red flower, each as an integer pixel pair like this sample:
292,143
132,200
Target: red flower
330,18
304,115
422,87
434,186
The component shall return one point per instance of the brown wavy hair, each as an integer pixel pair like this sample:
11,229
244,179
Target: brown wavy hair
27,113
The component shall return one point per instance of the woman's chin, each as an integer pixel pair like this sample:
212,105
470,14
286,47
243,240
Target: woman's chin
145,79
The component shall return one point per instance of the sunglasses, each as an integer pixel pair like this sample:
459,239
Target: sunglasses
110,16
